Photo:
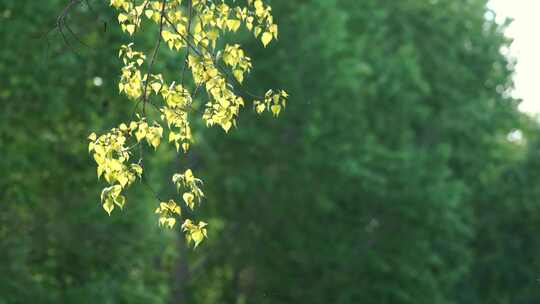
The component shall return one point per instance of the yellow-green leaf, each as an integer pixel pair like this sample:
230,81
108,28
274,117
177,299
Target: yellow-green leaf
130,28
189,176
188,199
122,18
167,35
239,75
92,136
156,86
197,237
266,38
149,13
260,108
275,109
185,147
108,205
233,24
120,201
170,222
226,126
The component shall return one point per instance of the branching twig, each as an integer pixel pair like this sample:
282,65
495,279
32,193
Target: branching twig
190,8
154,54
191,46
61,24
151,65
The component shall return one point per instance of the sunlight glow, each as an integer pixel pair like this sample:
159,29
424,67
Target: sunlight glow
525,48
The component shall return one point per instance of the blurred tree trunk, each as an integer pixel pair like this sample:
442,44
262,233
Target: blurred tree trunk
180,275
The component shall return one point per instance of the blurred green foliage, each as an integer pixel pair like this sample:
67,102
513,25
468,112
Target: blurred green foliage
56,244
388,179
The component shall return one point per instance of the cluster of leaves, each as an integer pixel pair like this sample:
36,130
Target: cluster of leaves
272,101
191,29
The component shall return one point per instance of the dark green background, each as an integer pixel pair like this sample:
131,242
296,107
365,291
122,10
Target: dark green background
389,178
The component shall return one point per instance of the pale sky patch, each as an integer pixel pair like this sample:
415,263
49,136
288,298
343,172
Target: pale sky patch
525,30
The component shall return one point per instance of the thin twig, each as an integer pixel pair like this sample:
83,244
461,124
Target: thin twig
154,54
190,5
60,23
151,65
147,184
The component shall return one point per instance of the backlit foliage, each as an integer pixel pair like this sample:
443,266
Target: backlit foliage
193,30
